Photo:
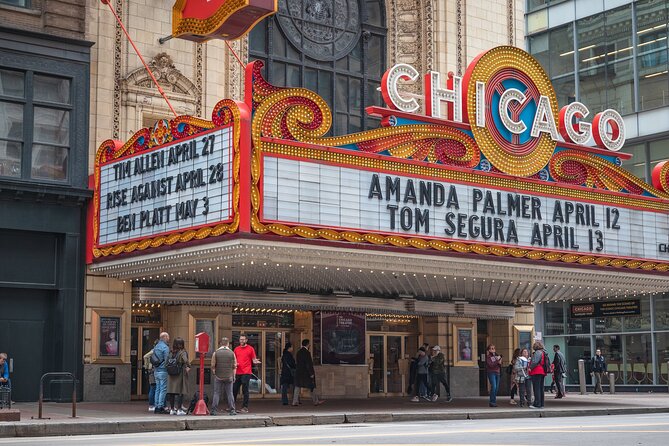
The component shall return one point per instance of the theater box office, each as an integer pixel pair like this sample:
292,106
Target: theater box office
470,204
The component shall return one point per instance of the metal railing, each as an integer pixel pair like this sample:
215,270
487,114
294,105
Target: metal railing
41,393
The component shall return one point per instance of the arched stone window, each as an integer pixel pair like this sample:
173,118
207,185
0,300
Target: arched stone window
336,48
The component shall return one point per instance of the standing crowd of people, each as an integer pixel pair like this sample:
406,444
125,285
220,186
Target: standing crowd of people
528,373
427,373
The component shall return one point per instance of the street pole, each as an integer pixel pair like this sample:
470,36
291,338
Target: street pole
581,375
201,406
612,383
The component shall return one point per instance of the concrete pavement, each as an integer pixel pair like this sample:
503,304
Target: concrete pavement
131,417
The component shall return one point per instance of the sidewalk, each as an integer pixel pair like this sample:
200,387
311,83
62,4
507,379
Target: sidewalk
130,417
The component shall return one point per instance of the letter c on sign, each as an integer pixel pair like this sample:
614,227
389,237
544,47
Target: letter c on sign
391,96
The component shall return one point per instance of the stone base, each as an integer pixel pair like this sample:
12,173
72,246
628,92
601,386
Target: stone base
464,381
118,392
10,415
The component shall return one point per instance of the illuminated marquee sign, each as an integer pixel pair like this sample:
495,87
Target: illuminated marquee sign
174,182
310,194
173,187
202,20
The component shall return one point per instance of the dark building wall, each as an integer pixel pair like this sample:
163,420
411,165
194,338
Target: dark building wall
56,17
43,201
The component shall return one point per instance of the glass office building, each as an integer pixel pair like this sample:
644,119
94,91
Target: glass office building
611,54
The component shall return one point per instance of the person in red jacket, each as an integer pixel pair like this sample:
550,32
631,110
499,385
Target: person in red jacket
537,373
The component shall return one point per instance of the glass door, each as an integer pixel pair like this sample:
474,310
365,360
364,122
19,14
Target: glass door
141,342
385,351
269,347
377,352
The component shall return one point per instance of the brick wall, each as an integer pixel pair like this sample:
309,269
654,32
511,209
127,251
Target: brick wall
63,18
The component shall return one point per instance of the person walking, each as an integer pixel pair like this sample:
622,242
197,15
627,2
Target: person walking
513,385
288,367
162,351
493,367
438,374
559,371
223,365
148,367
598,367
305,376
537,371
177,368
521,377
246,359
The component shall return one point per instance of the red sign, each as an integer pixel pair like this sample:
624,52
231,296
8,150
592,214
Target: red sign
202,20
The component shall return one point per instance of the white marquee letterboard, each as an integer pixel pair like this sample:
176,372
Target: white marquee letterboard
320,195
181,185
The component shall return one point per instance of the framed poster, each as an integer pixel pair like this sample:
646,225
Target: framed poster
343,338
109,336
465,346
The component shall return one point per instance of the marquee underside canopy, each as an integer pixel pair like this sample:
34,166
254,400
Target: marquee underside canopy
333,269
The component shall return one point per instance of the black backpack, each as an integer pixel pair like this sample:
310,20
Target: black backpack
546,362
173,366
194,401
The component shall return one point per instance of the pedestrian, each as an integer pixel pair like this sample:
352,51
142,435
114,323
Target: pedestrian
537,371
598,367
305,376
520,377
288,367
422,364
493,367
162,352
4,371
559,371
438,374
148,367
177,368
246,359
512,376
224,366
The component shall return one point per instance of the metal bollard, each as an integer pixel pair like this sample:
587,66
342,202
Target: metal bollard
612,383
581,375
667,373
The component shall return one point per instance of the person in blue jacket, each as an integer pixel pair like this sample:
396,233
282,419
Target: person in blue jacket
162,351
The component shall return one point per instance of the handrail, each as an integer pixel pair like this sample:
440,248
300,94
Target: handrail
41,393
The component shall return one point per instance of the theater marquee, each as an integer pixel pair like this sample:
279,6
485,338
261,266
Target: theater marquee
486,164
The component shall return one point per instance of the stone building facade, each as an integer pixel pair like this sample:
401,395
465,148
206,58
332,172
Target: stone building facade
428,34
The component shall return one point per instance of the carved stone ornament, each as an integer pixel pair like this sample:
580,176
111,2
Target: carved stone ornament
167,75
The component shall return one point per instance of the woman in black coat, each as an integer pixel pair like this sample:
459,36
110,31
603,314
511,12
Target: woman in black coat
287,371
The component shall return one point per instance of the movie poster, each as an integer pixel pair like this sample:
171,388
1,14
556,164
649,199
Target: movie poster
464,344
343,338
110,329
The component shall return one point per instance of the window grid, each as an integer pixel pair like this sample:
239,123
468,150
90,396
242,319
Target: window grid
348,84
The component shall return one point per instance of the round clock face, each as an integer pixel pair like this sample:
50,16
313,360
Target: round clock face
322,29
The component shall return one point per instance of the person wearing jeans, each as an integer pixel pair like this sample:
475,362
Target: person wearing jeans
493,367
538,374
162,351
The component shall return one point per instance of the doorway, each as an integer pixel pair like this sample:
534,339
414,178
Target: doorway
385,352
142,338
268,345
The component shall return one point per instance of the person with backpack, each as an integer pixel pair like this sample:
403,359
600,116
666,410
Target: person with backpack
149,369
539,367
493,368
598,368
521,377
158,358
559,371
177,368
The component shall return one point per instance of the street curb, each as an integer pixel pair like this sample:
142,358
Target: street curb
46,429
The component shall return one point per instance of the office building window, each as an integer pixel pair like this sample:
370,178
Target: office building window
19,3
651,18
637,164
35,135
336,49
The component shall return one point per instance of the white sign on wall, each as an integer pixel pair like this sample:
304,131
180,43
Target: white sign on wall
308,193
176,187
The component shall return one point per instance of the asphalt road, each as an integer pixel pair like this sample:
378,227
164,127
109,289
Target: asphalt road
627,430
